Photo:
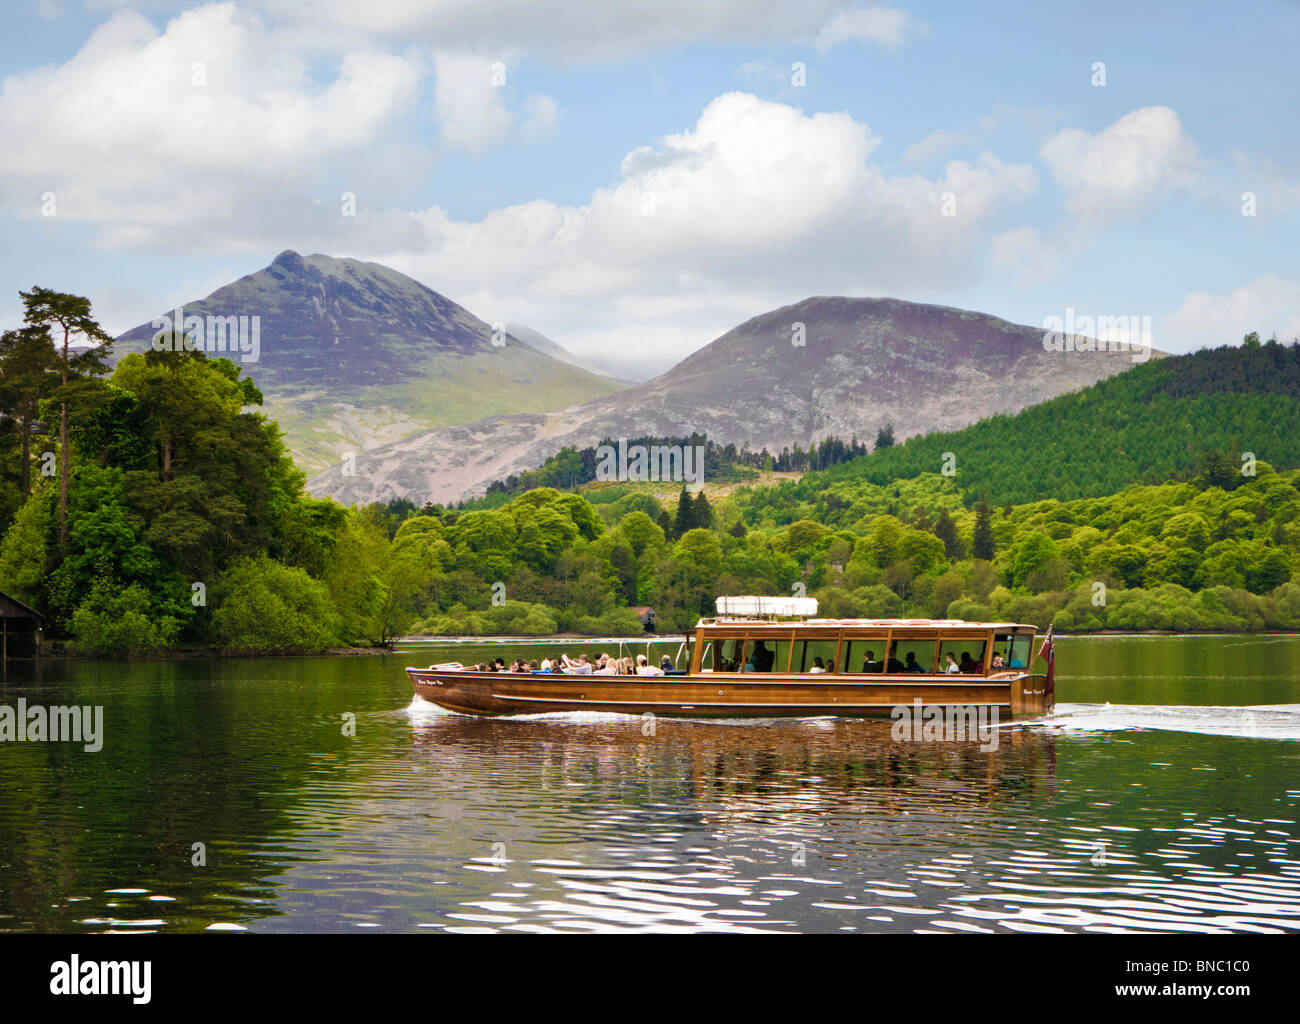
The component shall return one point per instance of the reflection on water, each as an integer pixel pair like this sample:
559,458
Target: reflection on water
1155,816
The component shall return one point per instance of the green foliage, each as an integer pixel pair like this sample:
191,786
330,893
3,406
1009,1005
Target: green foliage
261,605
114,620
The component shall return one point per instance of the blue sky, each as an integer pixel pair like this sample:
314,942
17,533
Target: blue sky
634,179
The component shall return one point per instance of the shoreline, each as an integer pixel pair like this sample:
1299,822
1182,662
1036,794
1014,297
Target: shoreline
462,640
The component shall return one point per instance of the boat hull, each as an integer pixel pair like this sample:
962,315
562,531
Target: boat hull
727,695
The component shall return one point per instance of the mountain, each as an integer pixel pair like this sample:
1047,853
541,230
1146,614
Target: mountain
536,339
858,364
355,355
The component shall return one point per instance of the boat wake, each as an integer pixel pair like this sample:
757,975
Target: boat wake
1263,721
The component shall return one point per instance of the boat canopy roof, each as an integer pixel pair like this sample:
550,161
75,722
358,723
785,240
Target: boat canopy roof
955,625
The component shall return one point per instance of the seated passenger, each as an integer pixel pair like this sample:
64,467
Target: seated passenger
912,664
998,663
1015,661
666,664
763,658
818,665
895,665
950,666
969,664
644,668
870,664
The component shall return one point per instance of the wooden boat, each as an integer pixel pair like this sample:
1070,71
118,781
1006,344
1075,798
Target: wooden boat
759,658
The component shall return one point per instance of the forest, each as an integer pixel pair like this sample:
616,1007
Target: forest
155,508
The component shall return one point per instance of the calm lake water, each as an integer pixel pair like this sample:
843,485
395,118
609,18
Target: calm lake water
1161,797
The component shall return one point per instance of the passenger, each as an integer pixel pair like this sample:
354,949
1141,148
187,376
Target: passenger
644,668
546,666
666,664
969,664
763,658
950,666
581,667
499,665
818,665
912,664
870,664
1016,661
895,665
998,663
604,666
830,667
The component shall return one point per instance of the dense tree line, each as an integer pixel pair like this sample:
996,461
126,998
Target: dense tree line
572,467
1152,423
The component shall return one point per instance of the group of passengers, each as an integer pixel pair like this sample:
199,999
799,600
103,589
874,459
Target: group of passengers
761,658
582,665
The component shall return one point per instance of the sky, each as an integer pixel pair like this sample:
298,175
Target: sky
633,178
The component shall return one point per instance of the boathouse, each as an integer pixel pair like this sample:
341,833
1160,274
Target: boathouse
19,625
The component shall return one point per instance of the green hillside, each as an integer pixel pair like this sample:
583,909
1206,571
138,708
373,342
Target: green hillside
1153,423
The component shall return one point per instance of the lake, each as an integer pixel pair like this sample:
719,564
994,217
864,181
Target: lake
317,795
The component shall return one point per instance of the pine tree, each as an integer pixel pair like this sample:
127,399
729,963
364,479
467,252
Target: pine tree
983,546
946,530
702,513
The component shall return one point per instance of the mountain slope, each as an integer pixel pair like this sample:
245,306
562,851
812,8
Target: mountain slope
536,339
862,362
1155,423
354,355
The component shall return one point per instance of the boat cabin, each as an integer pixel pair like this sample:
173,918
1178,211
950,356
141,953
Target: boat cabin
747,638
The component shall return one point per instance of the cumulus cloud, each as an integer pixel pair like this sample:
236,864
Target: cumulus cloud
756,199
1128,166
881,25
1268,304
145,132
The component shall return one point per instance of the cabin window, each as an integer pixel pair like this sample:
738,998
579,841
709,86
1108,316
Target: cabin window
814,656
967,653
729,655
912,657
766,655
864,655
1021,651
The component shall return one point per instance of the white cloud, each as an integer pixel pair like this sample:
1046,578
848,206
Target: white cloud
207,125
470,102
1025,254
562,31
935,145
881,25
1266,305
757,204
1130,165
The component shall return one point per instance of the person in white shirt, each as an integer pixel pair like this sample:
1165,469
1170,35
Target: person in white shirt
644,668
818,665
581,667
952,666
605,666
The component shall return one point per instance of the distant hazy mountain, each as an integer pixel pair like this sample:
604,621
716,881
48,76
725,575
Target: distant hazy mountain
543,344
858,363
355,355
